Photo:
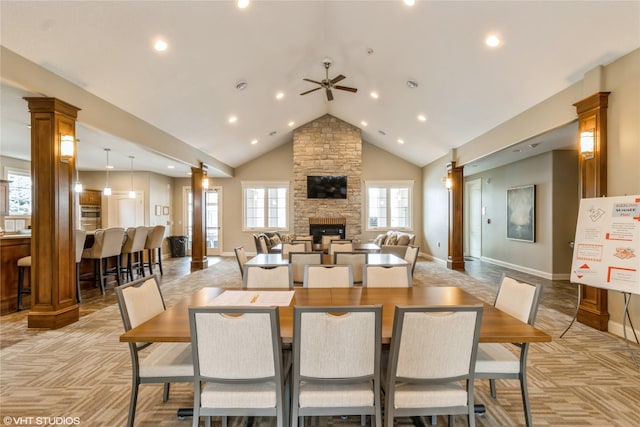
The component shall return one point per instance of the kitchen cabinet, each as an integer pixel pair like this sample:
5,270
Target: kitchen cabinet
91,197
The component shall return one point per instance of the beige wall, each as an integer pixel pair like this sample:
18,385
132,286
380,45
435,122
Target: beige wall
622,79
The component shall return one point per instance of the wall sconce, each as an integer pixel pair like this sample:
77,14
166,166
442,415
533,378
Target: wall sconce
448,183
587,143
205,182
66,146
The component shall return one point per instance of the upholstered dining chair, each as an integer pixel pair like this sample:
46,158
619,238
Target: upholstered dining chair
238,363
357,260
387,276
133,248
496,361
267,276
298,260
340,246
328,276
336,362
107,243
153,246
308,243
163,363
292,247
326,239
432,350
241,257
80,237
411,256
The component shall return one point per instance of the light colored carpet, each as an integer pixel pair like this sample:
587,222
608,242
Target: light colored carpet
586,378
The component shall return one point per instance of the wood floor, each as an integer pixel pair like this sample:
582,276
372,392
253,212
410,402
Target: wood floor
81,373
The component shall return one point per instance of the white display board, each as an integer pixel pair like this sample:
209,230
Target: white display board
607,244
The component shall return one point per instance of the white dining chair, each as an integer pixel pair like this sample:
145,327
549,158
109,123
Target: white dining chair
336,367
387,276
432,350
340,246
267,276
496,361
298,260
357,260
292,247
328,276
163,363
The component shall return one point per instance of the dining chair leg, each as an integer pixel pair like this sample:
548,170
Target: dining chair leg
165,394
492,387
160,260
102,262
132,404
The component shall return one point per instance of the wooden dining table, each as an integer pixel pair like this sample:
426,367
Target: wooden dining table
172,325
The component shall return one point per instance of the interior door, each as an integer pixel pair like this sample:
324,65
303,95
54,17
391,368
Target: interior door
123,211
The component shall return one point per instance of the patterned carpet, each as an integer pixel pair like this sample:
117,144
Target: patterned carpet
81,373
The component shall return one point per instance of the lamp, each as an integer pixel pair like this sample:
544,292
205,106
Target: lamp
132,194
78,187
107,189
66,146
587,143
205,182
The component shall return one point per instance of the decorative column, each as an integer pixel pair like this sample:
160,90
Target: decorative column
53,270
199,259
592,182
455,260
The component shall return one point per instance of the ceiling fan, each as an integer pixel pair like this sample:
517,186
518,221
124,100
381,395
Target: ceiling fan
327,84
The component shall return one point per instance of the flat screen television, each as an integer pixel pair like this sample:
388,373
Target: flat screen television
326,187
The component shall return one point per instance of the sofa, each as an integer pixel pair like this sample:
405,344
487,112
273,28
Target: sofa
395,242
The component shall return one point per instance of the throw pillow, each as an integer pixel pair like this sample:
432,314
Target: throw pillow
403,240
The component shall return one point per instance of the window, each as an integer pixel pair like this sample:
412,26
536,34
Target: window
389,204
19,192
265,205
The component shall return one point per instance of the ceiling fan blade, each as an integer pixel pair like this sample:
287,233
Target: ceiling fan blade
347,88
312,81
329,95
309,91
337,79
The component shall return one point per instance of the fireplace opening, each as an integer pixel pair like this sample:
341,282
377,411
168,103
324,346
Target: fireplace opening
319,227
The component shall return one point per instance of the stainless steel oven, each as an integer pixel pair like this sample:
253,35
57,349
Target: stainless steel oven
90,218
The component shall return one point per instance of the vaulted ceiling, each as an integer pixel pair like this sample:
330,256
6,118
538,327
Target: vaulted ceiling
191,91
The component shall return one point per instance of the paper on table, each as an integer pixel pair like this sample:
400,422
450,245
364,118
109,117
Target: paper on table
257,298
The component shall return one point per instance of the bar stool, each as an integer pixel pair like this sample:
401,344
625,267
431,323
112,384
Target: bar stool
134,245
107,244
81,235
23,264
153,243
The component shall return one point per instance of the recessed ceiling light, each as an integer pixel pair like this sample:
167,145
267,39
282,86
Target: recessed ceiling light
363,123
409,2
241,85
412,84
517,150
422,118
109,166
533,145
242,4
279,95
374,95
381,132
171,167
160,45
254,141
291,123
400,141
493,40
233,119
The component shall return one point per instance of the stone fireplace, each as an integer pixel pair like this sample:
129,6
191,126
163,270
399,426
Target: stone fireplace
324,147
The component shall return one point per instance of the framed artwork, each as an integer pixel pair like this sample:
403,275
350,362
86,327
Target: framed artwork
521,213
165,210
158,210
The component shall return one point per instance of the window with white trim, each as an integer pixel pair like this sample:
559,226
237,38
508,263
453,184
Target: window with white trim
389,204
265,205
20,198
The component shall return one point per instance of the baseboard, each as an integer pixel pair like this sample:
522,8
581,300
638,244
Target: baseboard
617,329
434,259
534,272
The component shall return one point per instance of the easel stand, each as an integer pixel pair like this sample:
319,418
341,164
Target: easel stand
625,316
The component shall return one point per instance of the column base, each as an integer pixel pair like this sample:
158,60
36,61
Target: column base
53,319
199,264
455,264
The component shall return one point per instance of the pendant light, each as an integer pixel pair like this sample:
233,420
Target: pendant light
107,189
132,194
